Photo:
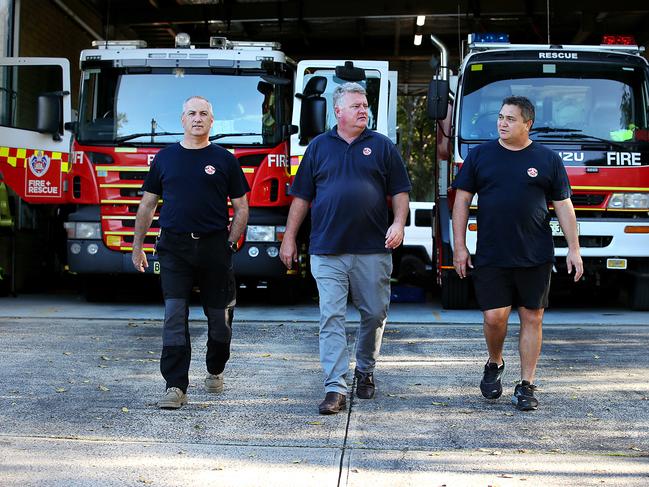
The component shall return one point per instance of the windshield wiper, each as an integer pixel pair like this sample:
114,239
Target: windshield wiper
124,138
547,130
236,134
588,137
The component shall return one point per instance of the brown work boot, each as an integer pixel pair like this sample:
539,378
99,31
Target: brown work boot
333,403
364,384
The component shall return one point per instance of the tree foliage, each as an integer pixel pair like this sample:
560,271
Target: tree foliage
417,142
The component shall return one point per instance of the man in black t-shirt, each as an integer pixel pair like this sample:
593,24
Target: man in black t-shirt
346,176
514,179
194,179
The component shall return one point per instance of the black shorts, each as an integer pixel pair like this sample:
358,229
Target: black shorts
498,287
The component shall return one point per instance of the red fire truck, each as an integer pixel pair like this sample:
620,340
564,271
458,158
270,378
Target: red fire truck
88,167
592,107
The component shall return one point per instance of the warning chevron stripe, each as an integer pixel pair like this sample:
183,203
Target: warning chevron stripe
17,156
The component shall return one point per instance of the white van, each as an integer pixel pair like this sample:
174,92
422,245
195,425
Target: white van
413,262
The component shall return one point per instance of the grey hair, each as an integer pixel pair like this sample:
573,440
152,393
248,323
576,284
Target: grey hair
196,97
345,88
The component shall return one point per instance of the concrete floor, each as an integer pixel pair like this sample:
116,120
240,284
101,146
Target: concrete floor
78,404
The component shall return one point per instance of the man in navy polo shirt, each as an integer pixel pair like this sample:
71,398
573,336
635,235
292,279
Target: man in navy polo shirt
195,179
346,176
514,179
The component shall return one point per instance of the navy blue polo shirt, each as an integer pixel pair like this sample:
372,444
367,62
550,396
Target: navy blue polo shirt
348,185
513,189
195,185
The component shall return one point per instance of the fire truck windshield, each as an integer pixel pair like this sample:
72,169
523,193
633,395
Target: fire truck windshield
145,108
576,101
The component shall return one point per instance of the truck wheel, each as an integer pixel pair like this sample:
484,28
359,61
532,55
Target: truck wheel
640,294
455,291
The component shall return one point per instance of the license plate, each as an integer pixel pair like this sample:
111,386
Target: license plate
556,229
156,267
616,263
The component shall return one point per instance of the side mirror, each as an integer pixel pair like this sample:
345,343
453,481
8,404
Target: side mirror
313,113
50,115
290,129
438,99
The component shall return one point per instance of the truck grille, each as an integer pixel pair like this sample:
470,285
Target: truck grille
585,241
587,199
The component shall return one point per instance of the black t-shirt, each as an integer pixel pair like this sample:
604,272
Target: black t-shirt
348,185
513,190
195,185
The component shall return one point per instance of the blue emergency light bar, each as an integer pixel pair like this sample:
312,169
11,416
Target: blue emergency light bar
488,37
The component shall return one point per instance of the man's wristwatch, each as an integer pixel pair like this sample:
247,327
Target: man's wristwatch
234,246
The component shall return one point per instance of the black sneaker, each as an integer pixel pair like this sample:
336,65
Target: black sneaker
523,397
490,385
364,384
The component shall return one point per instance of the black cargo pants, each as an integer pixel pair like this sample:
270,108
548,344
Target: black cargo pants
185,260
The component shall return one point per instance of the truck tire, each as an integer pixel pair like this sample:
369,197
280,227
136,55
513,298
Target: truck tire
455,291
640,293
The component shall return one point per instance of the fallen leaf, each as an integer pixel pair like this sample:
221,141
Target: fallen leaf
103,388
125,410
265,355
437,403
314,422
61,389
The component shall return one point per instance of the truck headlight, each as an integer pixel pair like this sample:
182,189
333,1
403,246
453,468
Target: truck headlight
260,233
83,230
636,201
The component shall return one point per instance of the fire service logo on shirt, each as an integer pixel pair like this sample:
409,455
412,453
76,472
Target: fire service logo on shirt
38,164
367,151
209,169
532,172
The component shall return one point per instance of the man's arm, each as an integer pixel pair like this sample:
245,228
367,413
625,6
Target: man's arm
296,215
461,256
394,235
143,219
568,221
239,219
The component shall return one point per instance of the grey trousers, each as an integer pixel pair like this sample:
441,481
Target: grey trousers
367,277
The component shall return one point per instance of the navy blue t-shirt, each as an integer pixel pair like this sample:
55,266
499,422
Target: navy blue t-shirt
513,190
195,185
348,185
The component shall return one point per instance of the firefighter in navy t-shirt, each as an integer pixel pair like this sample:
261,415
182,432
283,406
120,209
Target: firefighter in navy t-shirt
195,179
514,179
